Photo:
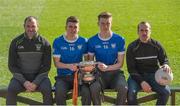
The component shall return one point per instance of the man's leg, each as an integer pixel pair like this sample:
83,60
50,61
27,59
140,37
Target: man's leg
95,89
162,91
120,85
133,89
85,95
61,89
45,89
14,88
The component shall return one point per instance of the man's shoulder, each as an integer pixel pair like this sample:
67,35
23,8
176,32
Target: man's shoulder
82,39
118,37
43,40
94,36
59,39
156,43
18,39
133,43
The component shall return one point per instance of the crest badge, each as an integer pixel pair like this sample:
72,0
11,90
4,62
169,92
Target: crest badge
79,47
38,47
113,45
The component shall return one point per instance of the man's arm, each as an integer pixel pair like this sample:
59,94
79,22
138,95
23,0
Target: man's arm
131,65
13,63
45,66
163,59
118,65
59,64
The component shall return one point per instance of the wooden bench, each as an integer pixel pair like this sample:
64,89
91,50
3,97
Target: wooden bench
109,99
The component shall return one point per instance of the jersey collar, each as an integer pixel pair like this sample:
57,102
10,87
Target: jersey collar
106,38
70,41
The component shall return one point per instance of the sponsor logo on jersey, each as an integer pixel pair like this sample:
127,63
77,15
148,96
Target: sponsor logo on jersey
20,47
63,48
105,43
72,44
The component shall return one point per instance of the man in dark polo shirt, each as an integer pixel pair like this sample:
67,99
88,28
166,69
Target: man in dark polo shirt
29,62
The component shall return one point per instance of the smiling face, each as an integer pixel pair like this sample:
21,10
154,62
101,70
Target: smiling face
144,32
31,27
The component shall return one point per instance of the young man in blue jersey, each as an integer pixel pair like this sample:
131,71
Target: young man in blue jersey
144,56
108,49
69,49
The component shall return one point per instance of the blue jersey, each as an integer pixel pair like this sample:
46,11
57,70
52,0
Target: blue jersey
106,50
69,52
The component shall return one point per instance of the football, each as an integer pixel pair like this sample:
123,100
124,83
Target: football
162,77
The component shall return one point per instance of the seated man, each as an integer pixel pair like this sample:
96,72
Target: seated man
108,49
29,62
144,56
69,50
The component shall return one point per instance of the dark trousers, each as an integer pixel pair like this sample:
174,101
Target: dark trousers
15,87
91,92
162,91
116,80
63,85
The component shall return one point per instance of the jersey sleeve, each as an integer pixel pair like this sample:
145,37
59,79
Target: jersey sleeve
56,49
85,47
90,47
121,46
13,63
131,65
162,56
45,65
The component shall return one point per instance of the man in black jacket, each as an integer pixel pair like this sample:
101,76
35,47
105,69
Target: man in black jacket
144,56
29,62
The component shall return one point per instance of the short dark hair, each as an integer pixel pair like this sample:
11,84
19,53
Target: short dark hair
73,19
104,15
143,23
30,18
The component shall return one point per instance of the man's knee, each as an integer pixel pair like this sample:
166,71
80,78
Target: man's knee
122,88
132,97
45,87
61,92
85,90
164,92
95,87
15,87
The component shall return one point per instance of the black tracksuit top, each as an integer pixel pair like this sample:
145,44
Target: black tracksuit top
29,59
144,58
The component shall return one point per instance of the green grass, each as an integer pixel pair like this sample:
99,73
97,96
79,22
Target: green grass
162,14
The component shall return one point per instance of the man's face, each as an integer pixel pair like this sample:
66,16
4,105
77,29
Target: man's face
31,28
72,28
105,24
144,32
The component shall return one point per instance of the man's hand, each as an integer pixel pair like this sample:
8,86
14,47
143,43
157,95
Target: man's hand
30,87
73,67
27,85
166,68
146,87
33,87
103,67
